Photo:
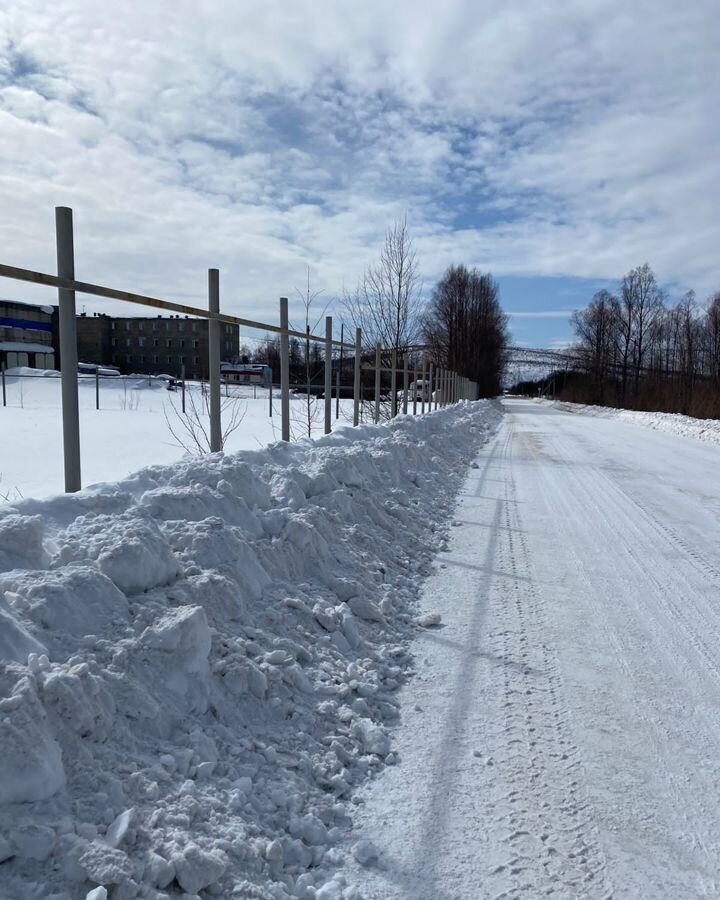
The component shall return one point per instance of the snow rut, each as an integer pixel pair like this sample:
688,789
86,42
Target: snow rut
653,608
537,800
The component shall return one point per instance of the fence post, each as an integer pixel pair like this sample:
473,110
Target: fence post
427,374
378,375
406,375
182,388
214,359
328,374
393,384
270,395
2,376
68,350
284,369
415,379
339,373
356,382
97,387
437,387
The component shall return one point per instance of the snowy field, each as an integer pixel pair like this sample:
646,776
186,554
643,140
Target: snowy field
129,431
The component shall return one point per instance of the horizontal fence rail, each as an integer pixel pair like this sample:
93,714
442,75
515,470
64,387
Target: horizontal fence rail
439,386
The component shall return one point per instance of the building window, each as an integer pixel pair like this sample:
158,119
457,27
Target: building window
195,326
114,342
197,360
156,343
167,326
169,359
141,342
112,326
142,359
182,343
127,325
155,326
128,343
195,345
141,326
181,326
129,358
168,343
156,359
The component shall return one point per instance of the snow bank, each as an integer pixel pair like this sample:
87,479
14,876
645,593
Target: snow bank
674,423
199,664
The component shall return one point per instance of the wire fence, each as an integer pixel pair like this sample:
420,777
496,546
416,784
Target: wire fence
376,379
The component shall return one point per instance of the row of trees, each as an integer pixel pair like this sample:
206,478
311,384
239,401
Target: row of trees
636,350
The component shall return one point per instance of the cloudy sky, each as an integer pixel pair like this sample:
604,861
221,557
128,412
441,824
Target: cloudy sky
555,143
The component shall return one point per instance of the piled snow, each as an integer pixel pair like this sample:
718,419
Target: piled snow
200,663
674,423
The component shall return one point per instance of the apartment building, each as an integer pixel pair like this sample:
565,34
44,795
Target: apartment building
26,335
153,345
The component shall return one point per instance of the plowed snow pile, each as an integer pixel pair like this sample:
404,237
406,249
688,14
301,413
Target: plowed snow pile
199,664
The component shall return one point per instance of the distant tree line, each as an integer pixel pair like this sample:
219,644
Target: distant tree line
635,350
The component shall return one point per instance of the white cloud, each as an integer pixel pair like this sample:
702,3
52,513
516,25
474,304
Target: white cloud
571,139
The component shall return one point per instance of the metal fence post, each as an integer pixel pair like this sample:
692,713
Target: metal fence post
68,350
415,380
97,387
214,359
406,376
284,369
427,384
182,388
339,373
270,395
2,376
378,375
356,382
422,399
393,383
328,374
437,387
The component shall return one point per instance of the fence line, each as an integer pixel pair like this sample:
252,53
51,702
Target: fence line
448,386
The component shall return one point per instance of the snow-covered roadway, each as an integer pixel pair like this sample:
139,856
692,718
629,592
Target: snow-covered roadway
562,736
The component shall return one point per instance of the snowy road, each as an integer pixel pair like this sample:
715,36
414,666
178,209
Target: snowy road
562,735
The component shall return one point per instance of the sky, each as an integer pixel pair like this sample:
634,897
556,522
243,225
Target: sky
554,143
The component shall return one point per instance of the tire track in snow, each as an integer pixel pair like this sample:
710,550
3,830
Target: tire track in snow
625,621
547,822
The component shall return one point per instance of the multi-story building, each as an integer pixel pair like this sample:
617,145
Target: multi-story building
26,335
159,345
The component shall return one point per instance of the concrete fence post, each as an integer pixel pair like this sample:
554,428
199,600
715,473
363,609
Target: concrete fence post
68,350
356,380
214,359
378,376
284,369
328,374
406,378
393,383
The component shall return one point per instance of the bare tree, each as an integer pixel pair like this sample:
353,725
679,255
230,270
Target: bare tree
191,428
386,303
312,409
